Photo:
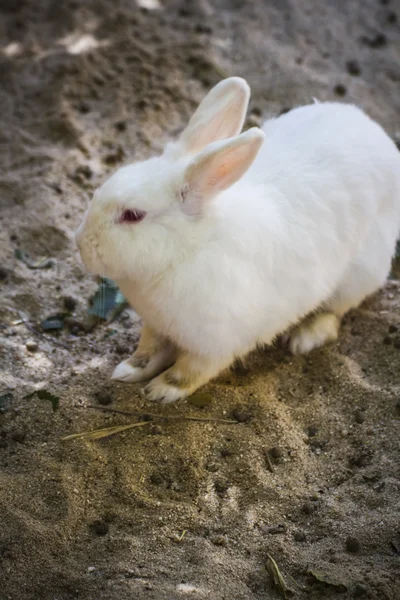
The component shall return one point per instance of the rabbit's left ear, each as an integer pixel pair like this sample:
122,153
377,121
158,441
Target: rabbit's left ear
218,167
219,116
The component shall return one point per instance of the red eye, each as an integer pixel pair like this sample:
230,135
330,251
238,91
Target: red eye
132,216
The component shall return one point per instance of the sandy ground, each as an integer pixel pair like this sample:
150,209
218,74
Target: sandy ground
183,508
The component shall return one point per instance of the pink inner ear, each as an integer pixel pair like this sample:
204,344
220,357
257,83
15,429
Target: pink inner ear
132,215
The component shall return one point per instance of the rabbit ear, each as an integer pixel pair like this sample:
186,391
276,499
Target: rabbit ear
220,115
218,167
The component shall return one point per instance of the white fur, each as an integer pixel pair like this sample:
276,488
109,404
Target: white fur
312,223
125,372
158,391
322,329
159,361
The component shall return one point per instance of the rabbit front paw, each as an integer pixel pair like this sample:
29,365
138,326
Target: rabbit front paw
153,355
181,380
128,372
142,368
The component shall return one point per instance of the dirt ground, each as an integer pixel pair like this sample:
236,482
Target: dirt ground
309,472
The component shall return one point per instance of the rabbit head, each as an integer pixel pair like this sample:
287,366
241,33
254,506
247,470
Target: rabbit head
149,215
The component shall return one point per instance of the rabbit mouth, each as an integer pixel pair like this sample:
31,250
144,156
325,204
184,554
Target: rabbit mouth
90,257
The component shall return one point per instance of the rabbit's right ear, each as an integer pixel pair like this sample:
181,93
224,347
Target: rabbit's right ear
220,116
217,168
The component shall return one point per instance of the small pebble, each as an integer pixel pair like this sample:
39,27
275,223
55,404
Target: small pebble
242,414
18,435
103,398
156,478
353,544
378,41
74,326
121,349
275,529
84,170
299,536
201,28
69,304
3,274
84,108
276,452
57,188
226,452
308,508
120,125
340,89
99,527
219,540
387,340
397,408
397,343
360,460
333,559
31,345
359,591
392,18
155,430
221,487
353,68
212,467
129,574
359,416
393,328
312,431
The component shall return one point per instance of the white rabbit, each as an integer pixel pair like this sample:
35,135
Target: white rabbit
225,240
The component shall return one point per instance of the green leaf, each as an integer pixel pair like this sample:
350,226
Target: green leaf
328,579
54,322
200,399
45,395
107,300
5,401
21,255
120,298
277,578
